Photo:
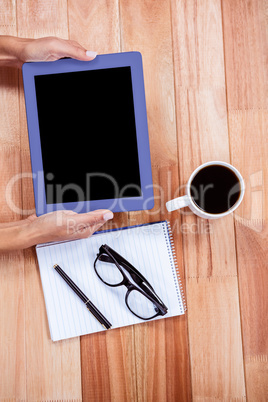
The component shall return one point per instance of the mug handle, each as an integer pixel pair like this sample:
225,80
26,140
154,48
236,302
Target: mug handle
178,203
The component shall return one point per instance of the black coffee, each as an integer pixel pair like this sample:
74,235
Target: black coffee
215,189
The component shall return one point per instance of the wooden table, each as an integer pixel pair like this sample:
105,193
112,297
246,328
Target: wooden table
206,93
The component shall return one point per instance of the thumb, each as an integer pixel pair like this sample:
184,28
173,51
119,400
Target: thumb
93,217
87,224
78,52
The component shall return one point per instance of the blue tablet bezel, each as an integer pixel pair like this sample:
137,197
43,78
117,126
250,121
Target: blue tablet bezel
127,59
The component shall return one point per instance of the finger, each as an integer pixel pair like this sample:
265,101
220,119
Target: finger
87,231
97,216
89,53
74,43
80,54
31,218
87,224
91,218
83,230
75,51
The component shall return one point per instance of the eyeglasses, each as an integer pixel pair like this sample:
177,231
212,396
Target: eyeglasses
142,301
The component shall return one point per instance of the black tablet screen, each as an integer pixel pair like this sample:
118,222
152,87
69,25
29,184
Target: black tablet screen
88,135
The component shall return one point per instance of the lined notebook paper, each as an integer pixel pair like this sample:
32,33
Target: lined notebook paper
147,247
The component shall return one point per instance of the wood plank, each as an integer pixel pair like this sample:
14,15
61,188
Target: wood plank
10,197
197,43
108,361
245,40
146,28
245,48
12,300
251,238
53,369
209,253
37,19
209,249
84,25
163,373
8,24
12,330
217,365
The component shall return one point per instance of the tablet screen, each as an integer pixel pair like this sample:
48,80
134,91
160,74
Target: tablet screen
88,135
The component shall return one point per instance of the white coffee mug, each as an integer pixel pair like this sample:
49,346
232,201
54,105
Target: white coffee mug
188,201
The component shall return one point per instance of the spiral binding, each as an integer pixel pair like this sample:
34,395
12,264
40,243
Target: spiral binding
174,264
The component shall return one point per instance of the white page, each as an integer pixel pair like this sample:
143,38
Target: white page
146,247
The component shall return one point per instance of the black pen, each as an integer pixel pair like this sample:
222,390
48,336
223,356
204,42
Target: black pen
90,306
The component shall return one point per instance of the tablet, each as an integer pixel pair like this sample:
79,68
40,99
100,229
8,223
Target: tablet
88,134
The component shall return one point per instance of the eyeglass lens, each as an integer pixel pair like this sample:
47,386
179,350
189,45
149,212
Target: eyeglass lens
137,302
141,305
108,272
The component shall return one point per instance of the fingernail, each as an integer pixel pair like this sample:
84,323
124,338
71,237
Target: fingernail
91,54
108,215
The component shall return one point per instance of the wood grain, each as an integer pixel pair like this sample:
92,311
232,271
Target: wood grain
95,25
245,48
12,295
245,44
162,373
217,366
42,18
53,369
209,251
198,43
248,132
205,69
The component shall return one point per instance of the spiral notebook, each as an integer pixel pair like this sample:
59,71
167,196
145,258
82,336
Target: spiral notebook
147,247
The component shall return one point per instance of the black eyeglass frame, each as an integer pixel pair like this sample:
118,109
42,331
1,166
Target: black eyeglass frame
107,254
